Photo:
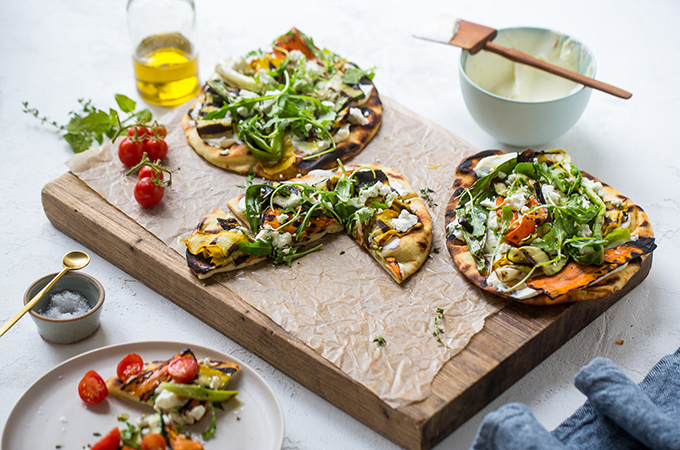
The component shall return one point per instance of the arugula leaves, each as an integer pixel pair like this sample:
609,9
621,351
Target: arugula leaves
353,76
576,218
92,124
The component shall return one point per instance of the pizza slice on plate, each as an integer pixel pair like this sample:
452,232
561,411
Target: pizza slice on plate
373,204
534,228
184,403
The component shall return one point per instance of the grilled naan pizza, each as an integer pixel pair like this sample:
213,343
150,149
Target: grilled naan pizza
284,111
533,228
373,204
153,387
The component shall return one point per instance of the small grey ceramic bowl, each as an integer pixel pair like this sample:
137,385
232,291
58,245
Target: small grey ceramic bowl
76,329
520,122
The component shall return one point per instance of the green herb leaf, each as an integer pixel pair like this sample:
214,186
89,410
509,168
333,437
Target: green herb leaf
125,104
353,76
211,429
257,248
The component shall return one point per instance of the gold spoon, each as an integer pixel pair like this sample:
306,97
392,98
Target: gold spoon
72,261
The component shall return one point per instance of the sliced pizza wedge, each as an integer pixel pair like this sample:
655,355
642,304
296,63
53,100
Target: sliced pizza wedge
155,387
392,223
374,204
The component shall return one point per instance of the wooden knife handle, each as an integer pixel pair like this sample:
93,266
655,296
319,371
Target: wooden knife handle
523,58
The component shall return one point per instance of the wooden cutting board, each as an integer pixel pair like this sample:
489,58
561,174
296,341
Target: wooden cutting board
513,341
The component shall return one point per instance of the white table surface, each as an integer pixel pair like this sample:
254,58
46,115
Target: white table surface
56,51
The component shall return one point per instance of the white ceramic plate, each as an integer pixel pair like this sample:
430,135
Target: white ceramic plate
50,414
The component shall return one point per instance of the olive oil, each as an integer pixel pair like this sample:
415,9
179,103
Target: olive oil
166,69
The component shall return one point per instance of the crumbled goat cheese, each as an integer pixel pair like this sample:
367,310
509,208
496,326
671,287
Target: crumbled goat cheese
377,190
551,195
517,200
290,201
595,186
492,221
295,55
488,203
167,400
245,93
584,230
356,117
342,134
279,240
405,221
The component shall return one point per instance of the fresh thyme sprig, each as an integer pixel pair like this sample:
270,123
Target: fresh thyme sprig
438,329
426,194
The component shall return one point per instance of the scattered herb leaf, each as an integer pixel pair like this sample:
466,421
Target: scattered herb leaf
438,327
380,341
426,194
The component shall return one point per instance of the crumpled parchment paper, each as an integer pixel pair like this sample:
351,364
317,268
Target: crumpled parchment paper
337,300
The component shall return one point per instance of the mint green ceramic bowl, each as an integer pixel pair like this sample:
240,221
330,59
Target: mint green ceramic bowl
520,122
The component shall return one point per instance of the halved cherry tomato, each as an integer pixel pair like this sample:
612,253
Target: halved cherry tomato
156,149
150,172
109,442
153,441
92,388
183,369
142,132
148,194
129,366
130,152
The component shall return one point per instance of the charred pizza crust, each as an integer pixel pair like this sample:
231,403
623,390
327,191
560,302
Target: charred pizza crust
575,282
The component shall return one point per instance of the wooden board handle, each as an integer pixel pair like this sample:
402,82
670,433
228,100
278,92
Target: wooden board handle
523,58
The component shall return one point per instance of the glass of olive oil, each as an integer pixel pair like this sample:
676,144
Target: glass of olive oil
165,57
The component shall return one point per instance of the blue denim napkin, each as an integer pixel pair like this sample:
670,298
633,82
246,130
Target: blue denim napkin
619,414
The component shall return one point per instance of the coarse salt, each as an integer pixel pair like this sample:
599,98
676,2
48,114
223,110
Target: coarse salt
66,305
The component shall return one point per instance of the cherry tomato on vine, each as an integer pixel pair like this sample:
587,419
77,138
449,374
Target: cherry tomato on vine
142,132
130,152
156,148
129,366
109,442
183,369
153,441
160,130
148,194
92,388
150,172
